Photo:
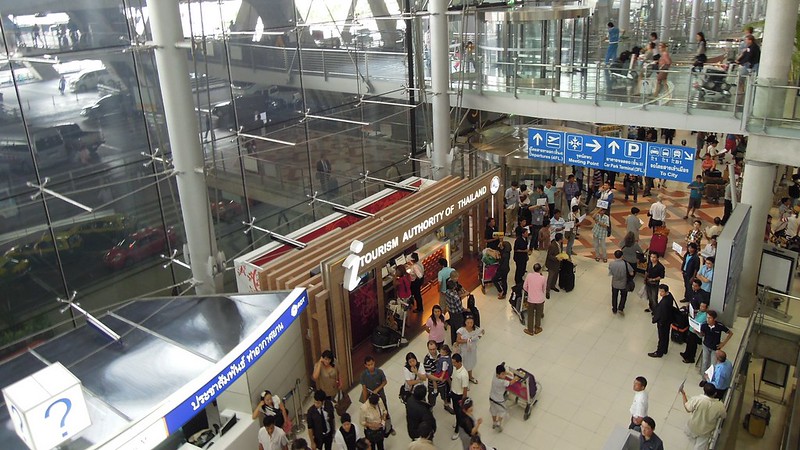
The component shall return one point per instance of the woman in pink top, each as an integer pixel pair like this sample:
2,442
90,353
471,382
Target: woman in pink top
436,326
664,63
402,283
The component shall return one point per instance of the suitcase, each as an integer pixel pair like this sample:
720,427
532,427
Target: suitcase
566,275
709,179
756,421
661,231
715,174
714,192
383,336
658,244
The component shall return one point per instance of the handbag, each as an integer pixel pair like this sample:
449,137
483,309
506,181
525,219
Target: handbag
404,394
343,403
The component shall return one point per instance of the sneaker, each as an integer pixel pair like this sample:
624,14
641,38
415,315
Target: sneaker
454,436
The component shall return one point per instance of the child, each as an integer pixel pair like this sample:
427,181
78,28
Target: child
497,399
442,373
544,236
476,315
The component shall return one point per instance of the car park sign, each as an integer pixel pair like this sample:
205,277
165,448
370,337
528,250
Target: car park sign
669,162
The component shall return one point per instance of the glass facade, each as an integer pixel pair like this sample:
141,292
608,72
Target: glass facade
82,117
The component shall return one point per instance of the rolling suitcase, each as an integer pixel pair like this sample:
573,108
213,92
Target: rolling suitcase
658,245
714,192
757,420
566,275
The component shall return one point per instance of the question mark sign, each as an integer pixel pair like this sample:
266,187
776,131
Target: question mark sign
21,422
66,403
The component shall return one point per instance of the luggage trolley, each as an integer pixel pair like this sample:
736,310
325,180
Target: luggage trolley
487,273
525,388
394,333
517,301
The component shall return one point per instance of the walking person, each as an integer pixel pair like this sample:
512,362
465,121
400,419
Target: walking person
467,340
62,85
662,317
600,232
632,223
696,189
552,262
436,326
657,213
664,64
653,275
535,287
640,403
271,437
500,278
705,412
631,251
417,275
468,425
613,43
497,396
619,271
521,255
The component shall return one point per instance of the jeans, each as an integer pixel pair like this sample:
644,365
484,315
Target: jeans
615,293
535,312
600,247
611,53
708,359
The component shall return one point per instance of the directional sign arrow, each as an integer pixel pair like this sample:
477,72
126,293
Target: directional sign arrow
688,155
538,138
595,146
613,146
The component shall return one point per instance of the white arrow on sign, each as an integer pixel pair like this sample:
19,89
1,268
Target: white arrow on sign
595,146
537,138
614,147
688,155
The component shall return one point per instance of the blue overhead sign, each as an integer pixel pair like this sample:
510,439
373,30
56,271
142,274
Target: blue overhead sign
670,162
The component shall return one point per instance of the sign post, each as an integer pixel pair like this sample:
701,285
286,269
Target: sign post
651,159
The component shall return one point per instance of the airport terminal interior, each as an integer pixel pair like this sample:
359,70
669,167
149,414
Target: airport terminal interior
187,149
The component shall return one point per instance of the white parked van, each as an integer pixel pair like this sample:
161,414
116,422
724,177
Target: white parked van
88,80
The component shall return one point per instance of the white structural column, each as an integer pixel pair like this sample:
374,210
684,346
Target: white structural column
624,22
715,19
666,12
694,26
759,175
746,4
733,8
184,138
440,76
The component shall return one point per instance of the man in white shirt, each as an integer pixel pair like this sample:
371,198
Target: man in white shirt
706,411
658,213
512,207
639,405
459,384
270,437
714,230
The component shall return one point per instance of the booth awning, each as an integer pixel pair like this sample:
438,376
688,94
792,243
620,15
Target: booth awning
176,355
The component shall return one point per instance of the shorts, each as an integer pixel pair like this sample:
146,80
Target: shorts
694,202
496,409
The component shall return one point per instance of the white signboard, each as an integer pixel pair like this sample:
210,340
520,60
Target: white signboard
48,407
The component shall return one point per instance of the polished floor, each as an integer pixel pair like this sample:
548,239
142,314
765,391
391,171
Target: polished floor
586,359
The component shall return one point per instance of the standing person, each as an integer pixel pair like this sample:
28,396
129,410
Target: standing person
550,192
750,57
323,172
706,412
696,188
714,230
570,234
557,223
723,373
36,31
640,403
320,422
489,234
468,426
706,274
600,232
657,213
689,268
372,380
606,194
413,373
552,262
435,326
442,374
711,331
538,216
468,337
521,255
500,278
693,337
402,283
536,287
429,363
571,188
711,248
373,419
653,275
619,271
443,276
632,223
649,440
512,206
425,439
497,396
418,411
459,384
62,85
631,250
631,184
271,406
326,375
662,317
456,308
700,57
271,437
728,208
669,135
695,234
417,273
347,435
664,64
613,43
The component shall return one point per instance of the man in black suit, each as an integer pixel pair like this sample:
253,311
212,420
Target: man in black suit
662,317
689,268
521,255
320,422
418,411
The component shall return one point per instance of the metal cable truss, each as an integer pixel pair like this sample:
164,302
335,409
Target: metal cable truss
43,190
388,183
90,319
340,208
278,237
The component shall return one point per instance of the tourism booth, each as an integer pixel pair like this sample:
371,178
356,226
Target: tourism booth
445,218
